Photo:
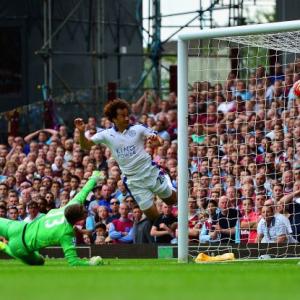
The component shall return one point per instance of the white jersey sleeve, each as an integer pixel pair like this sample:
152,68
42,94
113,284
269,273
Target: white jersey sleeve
88,134
146,131
99,137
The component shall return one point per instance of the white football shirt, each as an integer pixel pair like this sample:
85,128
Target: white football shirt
127,147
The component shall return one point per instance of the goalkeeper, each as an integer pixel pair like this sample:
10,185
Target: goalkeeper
25,239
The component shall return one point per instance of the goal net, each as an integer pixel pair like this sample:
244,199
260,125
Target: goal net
239,141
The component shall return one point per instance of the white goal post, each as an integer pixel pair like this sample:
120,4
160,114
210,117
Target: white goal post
183,89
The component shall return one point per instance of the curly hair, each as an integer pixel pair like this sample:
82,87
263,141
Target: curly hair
110,109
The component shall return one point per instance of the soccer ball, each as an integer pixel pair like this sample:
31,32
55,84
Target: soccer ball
296,88
96,261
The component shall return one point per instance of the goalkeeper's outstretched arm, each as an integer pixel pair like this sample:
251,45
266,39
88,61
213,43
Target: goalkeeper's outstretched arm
71,254
87,188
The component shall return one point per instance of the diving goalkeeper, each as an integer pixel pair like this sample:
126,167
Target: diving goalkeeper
55,228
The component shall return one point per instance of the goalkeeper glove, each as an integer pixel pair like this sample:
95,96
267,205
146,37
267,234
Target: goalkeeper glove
2,246
96,261
98,175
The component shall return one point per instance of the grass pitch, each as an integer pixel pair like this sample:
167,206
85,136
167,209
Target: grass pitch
150,280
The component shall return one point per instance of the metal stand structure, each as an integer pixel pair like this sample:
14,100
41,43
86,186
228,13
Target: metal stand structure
47,52
204,15
155,45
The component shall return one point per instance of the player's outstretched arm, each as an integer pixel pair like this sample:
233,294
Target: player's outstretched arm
87,188
155,140
71,254
85,144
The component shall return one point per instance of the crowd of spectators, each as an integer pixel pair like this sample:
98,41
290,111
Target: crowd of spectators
244,163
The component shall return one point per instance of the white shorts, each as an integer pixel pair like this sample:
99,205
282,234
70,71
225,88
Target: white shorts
146,185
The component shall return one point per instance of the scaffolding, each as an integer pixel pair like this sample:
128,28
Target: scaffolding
47,51
154,49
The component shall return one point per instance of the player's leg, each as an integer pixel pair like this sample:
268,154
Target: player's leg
5,232
172,199
33,259
151,213
144,199
4,226
18,250
6,249
12,231
163,189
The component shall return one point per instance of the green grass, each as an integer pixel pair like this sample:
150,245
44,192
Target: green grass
150,279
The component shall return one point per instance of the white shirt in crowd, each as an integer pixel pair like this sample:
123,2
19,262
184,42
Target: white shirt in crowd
280,225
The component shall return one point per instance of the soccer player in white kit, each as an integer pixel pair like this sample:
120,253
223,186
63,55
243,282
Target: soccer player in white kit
141,175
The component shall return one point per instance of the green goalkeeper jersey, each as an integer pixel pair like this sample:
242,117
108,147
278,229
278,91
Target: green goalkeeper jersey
53,229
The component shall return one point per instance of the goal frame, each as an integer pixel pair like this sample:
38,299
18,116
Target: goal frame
182,83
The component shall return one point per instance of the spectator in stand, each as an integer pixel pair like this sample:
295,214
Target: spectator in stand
13,198
42,205
57,166
164,108
278,73
115,173
287,181
262,185
163,229
229,105
106,194
241,91
74,185
86,239
277,192
226,221
173,176
92,203
160,127
99,159
22,214
193,219
290,205
42,136
91,126
69,147
172,121
172,99
273,228
208,229
33,212
3,191
46,183
129,200
121,230
3,210
243,140
25,196
100,234
114,208
259,202
13,213
122,192
102,216
248,222
141,227
112,184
